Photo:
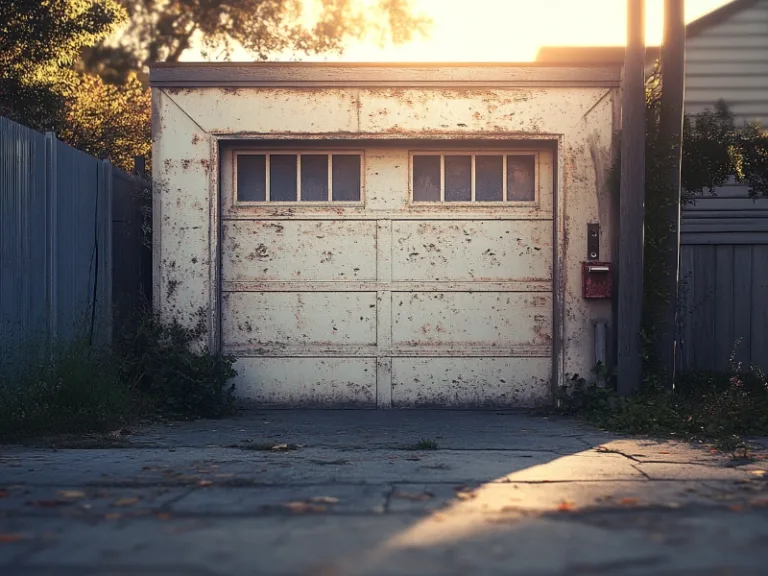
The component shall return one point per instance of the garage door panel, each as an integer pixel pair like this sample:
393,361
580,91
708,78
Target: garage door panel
257,320
477,319
308,382
290,250
473,250
470,382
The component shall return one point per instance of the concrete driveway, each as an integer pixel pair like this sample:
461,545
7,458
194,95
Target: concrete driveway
329,493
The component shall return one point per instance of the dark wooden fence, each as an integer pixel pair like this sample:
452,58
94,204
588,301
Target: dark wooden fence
724,281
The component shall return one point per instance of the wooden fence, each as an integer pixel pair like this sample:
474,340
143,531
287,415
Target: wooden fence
724,281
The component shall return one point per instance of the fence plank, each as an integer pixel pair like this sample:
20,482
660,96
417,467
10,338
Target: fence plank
759,356
704,307
686,301
724,305
742,298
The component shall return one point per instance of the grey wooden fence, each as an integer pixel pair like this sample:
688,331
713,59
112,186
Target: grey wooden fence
724,281
55,242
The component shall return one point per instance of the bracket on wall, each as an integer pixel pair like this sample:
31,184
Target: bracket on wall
593,241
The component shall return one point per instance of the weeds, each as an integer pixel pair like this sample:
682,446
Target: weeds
718,406
70,388
153,368
423,444
162,360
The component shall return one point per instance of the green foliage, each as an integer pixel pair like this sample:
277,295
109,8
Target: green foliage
69,388
752,161
161,31
714,149
423,444
40,44
714,406
40,40
109,121
154,367
166,362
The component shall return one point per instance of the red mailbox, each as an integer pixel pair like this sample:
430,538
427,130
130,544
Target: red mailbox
597,279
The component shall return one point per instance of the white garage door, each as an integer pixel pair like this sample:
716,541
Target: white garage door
388,276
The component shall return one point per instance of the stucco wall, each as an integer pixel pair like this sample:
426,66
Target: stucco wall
188,124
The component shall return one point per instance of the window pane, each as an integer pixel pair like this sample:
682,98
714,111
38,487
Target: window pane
282,177
251,178
520,178
458,178
314,177
426,178
346,177
489,175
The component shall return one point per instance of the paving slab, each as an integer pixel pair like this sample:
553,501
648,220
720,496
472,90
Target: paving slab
503,493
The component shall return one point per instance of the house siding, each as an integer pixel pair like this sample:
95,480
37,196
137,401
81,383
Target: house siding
729,60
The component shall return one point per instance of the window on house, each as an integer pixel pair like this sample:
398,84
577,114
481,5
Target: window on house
298,177
474,177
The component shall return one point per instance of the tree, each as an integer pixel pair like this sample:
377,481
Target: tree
109,121
162,30
39,42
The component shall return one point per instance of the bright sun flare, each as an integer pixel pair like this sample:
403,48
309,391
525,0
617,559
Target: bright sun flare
505,30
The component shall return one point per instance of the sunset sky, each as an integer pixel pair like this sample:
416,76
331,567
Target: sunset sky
507,30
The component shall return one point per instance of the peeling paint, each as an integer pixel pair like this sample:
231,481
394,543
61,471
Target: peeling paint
386,303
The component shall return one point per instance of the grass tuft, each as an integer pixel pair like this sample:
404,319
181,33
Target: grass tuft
423,444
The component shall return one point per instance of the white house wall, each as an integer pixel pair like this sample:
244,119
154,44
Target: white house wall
374,249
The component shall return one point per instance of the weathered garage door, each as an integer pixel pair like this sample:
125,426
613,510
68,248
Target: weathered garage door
389,277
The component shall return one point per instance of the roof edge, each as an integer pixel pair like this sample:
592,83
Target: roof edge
347,74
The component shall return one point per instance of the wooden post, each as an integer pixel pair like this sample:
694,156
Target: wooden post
632,203
671,139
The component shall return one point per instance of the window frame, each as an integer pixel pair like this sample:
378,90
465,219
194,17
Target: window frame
267,152
474,152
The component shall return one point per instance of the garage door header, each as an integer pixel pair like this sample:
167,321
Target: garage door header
369,75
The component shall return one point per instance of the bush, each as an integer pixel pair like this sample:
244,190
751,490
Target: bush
70,388
716,406
160,360
77,387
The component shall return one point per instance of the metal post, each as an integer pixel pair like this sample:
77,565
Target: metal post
631,203
671,139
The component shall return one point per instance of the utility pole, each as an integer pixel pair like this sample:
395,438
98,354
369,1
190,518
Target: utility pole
671,140
632,203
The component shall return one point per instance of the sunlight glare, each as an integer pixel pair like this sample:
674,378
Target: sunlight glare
501,30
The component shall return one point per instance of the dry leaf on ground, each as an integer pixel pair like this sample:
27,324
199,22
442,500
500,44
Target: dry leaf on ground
628,501
303,507
49,503
414,496
324,500
125,502
736,508
9,538
71,493
565,506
